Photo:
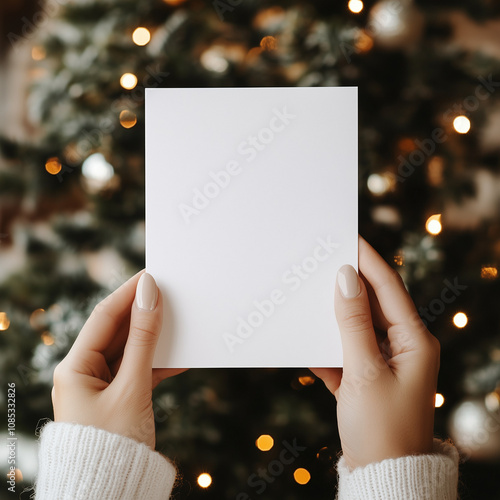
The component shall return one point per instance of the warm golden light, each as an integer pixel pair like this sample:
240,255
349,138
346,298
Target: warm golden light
53,166
433,224
364,43
141,36
38,53
127,119
128,81
37,318
306,380
460,320
439,400
204,480
4,321
47,338
461,124
302,476
174,2
489,273
355,6
264,442
268,43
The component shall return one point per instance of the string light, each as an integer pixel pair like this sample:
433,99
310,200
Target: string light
301,476
355,6
47,338
268,43
53,165
460,320
141,36
128,81
461,124
433,224
399,259
492,401
264,442
38,53
214,60
439,400
379,184
489,272
127,119
4,321
306,380
204,480
37,318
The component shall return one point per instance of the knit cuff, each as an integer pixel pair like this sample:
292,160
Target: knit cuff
79,462
416,477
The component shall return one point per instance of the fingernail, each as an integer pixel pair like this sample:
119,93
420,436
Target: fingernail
348,281
146,294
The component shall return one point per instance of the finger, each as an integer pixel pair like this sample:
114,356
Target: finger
394,300
101,328
145,326
352,309
330,376
160,374
379,320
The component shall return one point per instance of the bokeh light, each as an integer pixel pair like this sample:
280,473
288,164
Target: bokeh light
268,43
264,442
47,338
128,81
460,320
439,400
53,165
204,480
4,321
141,36
355,6
461,124
433,224
489,272
127,118
301,476
306,380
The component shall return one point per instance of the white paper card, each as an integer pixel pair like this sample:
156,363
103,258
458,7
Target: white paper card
251,208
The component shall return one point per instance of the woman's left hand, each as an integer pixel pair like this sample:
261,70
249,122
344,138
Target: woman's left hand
106,380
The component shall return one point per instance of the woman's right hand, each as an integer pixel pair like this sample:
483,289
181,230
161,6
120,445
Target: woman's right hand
386,390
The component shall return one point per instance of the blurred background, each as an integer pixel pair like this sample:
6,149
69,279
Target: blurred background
72,80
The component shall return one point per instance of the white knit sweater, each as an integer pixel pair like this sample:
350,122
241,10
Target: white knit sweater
84,463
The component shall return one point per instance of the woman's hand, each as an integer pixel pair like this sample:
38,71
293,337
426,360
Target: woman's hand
385,392
106,380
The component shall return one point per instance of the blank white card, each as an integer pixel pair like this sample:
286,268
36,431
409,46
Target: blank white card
251,208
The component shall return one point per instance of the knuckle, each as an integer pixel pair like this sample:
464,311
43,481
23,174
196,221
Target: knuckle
357,319
143,336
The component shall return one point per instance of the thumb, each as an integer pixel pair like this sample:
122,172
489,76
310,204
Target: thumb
145,326
352,309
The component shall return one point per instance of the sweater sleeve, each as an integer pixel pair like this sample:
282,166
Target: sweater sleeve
79,462
416,477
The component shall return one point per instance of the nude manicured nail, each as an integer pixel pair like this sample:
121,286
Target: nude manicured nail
146,294
348,281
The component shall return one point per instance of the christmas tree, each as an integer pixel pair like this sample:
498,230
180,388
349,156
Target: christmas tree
72,209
